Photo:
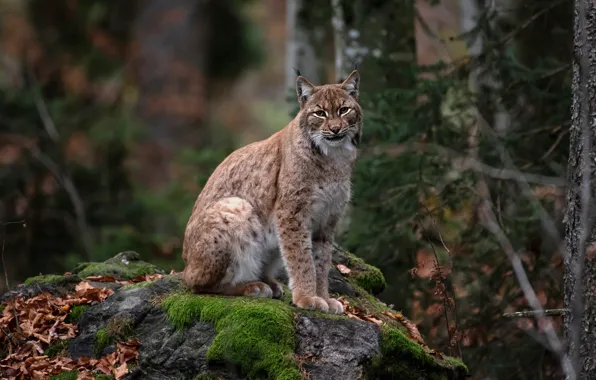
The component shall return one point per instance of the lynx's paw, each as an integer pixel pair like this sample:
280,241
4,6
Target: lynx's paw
312,303
335,306
278,290
258,289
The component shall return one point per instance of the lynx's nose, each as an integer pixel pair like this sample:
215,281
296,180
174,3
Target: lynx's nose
335,128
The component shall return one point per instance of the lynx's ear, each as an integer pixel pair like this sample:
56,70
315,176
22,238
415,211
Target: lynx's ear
352,83
304,89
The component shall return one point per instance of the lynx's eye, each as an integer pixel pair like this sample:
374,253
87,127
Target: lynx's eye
344,110
321,113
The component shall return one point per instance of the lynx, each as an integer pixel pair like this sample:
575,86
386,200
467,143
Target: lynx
276,204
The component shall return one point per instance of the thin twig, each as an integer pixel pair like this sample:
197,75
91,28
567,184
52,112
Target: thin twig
445,296
555,144
470,163
534,313
73,194
14,306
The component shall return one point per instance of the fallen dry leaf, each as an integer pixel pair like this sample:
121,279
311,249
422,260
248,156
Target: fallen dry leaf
101,278
41,322
120,371
343,269
412,329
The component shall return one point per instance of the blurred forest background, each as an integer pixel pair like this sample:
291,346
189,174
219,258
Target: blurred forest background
114,113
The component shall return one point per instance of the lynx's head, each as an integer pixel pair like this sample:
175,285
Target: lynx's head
330,114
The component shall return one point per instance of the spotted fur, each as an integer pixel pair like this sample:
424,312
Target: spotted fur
275,204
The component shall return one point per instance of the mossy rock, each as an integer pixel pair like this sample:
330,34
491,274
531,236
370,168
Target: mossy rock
56,348
57,285
255,334
123,266
76,313
398,352
366,276
45,279
117,329
188,336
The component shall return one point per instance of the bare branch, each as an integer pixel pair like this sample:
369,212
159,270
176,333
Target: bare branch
61,176
44,114
490,222
16,316
535,314
463,163
73,194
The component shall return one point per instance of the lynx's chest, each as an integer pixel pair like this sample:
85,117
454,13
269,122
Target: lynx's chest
329,201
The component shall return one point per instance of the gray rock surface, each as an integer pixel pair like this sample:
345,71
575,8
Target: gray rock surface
339,348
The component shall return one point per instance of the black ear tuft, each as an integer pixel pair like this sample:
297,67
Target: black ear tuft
352,84
304,89
297,71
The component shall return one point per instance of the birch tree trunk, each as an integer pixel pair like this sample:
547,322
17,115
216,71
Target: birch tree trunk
580,234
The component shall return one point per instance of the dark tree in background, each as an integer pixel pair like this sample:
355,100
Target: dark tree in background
169,62
580,217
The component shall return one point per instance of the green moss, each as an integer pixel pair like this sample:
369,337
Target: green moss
73,375
455,363
138,285
368,277
56,348
80,267
46,279
119,270
254,333
70,375
402,358
102,340
102,376
117,329
76,313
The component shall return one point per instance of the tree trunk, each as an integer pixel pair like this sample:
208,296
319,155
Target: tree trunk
300,54
169,64
339,40
580,234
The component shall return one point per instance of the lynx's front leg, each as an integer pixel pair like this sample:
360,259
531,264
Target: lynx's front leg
296,247
322,254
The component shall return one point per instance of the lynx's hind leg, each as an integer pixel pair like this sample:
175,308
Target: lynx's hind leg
228,257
